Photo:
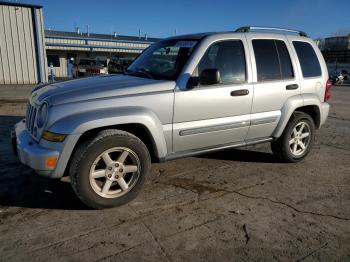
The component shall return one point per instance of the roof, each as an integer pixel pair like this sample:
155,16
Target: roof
63,34
196,36
19,4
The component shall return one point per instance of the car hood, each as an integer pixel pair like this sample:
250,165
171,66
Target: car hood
99,87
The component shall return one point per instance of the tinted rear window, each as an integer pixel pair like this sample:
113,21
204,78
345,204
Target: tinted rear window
286,63
266,57
309,63
272,60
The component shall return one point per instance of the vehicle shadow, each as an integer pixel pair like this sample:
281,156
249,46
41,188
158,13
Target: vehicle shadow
242,155
22,187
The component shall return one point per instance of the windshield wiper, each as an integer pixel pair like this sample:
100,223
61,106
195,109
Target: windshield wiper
139,72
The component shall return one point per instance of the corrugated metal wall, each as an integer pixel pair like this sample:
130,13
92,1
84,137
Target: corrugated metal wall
18,52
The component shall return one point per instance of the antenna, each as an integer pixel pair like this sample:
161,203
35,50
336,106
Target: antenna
146,36
139,33
175,31
87,30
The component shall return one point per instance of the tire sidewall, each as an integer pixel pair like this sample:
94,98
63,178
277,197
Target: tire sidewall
300,117
83,186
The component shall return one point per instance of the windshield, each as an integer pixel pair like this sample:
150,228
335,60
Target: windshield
163,60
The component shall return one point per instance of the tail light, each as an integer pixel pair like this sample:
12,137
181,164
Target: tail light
327,94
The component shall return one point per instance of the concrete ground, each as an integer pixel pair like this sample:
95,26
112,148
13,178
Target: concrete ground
235,205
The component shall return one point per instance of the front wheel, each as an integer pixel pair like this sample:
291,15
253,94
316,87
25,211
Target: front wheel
296,140
109,170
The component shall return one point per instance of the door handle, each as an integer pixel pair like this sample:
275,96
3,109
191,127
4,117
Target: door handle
240,92
292,87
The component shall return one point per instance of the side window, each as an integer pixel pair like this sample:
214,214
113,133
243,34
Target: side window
286,63
272,60
229,58
310,66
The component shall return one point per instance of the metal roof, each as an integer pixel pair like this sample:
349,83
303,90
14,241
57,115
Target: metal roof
90,36
20,4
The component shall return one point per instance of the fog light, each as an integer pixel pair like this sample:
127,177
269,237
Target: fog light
51,162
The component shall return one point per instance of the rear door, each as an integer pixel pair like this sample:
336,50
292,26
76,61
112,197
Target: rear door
275,81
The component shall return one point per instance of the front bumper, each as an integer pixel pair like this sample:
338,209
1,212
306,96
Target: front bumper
30,152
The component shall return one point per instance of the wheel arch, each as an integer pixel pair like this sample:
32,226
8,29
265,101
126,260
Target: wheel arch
140,122
307,103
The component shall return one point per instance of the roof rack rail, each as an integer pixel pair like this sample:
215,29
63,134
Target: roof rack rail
245,29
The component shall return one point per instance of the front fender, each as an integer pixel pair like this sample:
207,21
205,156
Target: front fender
79,123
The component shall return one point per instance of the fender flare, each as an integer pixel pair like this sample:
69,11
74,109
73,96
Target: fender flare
290,106
79,123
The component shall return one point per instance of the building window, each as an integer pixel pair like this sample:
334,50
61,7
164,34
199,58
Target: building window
54,60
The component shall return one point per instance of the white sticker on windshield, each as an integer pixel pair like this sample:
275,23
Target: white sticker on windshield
185,44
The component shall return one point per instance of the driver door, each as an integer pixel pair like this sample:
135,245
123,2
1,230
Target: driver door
210,116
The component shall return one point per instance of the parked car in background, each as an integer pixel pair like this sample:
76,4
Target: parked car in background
118,65
90,67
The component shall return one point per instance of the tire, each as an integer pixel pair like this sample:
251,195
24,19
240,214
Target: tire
286,152
114,160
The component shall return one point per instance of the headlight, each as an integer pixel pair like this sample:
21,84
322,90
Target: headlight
42,115
103,71
53,137
82,70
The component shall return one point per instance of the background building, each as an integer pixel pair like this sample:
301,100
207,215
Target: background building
26,50
22,47
337,49
65,48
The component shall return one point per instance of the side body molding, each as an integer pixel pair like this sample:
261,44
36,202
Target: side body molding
77,124
292,104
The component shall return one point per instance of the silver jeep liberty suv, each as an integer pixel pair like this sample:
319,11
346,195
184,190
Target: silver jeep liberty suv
183,96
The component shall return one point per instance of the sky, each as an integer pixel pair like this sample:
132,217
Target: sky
160,18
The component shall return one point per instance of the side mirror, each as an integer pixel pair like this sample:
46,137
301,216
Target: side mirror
209,76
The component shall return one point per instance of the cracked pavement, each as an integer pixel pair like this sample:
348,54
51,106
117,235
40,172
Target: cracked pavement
238,204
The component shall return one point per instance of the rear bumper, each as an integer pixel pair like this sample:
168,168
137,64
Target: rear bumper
324,111
30,152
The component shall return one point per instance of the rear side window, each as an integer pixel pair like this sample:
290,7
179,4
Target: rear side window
285,62
309,63
272,60
229,58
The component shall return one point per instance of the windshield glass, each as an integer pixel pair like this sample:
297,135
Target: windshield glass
163,60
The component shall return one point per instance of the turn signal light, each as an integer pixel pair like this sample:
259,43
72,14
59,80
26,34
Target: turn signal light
51,162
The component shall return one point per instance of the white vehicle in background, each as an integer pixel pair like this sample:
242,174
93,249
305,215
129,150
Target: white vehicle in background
90,67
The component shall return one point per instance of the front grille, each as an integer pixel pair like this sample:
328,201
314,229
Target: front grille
30,117
93,71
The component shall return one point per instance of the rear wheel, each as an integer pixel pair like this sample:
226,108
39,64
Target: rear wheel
296,140
109,170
